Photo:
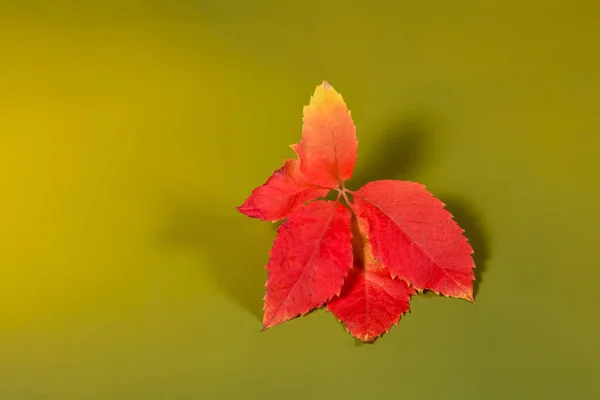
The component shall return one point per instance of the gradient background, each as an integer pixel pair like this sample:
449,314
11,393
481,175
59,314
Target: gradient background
130,130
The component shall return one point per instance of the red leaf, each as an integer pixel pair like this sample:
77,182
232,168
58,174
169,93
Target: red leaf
401,237
371,301
328,146
416,238
309,261
284,191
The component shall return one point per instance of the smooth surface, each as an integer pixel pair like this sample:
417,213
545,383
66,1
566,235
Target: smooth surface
129,131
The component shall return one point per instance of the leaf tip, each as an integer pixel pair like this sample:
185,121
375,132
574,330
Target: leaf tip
268,325
248,209
469,296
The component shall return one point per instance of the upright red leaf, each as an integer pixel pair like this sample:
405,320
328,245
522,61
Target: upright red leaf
328,147
309,261
371,301
416,238
284,191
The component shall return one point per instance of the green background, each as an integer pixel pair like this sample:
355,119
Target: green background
130,130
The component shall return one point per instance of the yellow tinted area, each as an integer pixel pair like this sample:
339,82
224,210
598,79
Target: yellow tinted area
129,131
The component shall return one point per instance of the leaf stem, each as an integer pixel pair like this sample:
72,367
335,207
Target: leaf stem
342,191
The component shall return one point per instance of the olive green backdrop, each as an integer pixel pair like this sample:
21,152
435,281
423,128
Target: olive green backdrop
130,130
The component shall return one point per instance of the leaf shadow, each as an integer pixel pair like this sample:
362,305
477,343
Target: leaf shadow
400,154
235,252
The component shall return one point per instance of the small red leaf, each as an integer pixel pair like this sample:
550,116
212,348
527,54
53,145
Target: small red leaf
328,147
309,261
416,238
284,191
371,301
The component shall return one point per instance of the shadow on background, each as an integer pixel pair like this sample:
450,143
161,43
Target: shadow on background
237,252
401,153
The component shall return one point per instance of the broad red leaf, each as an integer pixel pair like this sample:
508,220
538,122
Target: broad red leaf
284,191
416,238
328,146
309,261
371,301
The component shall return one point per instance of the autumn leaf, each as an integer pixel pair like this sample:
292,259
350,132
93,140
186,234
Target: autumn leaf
416,238
371,301
365,259
309,261
328,147
284,191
